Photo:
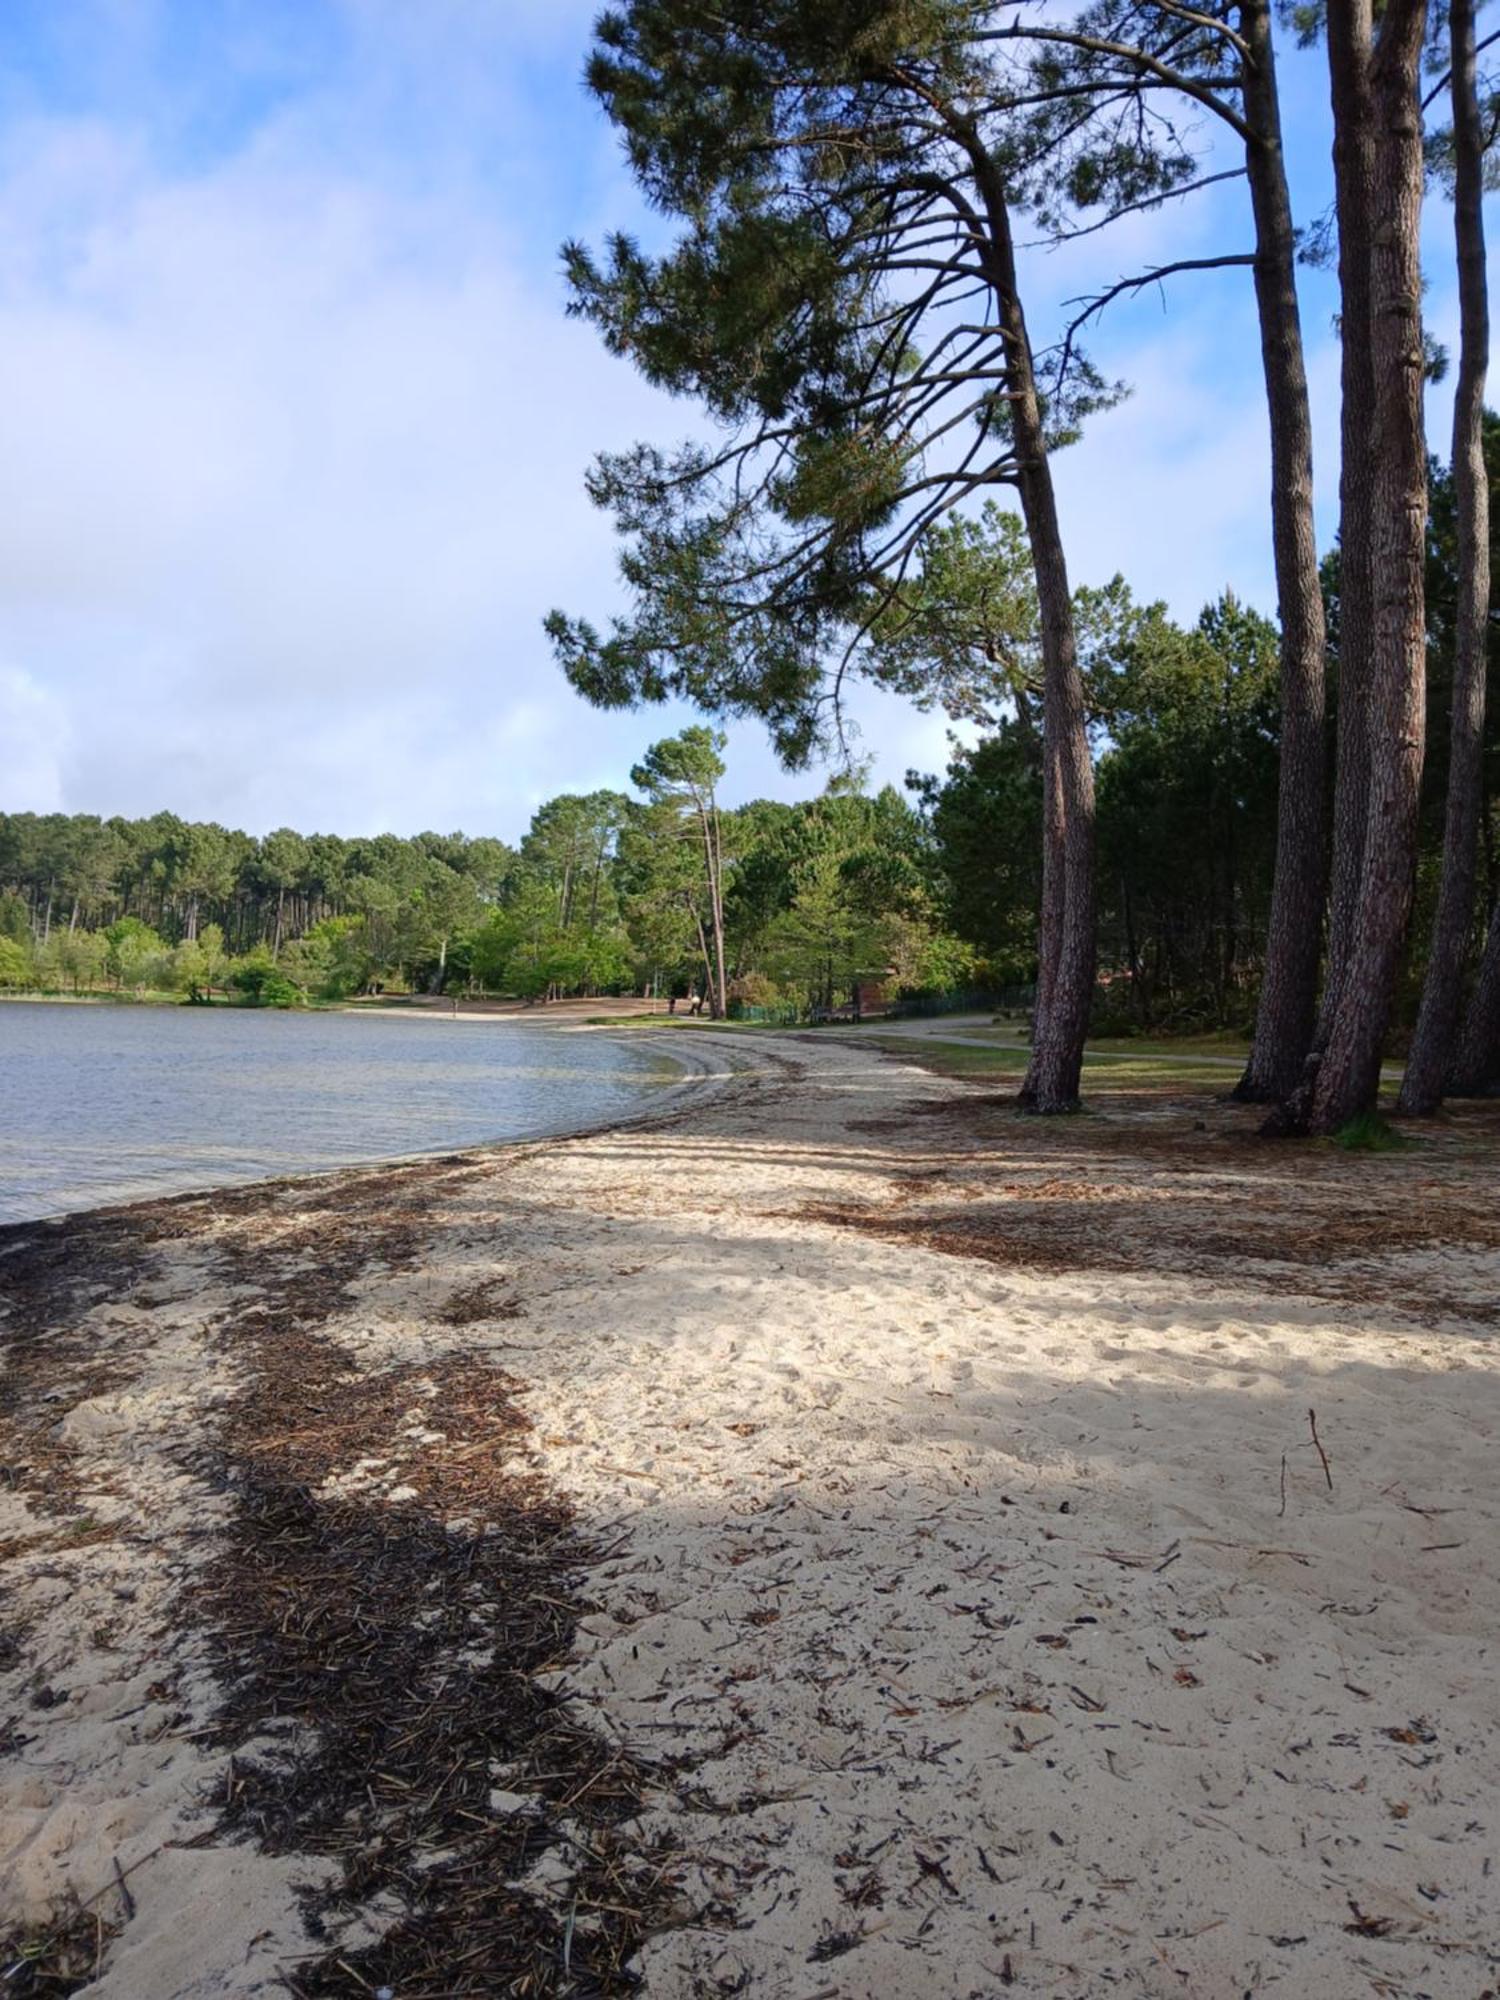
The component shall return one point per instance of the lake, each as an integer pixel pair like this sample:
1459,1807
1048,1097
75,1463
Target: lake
102,1104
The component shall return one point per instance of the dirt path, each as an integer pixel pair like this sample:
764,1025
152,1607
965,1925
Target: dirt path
969,1606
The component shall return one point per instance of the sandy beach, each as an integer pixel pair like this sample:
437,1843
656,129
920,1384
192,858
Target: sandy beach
834,1539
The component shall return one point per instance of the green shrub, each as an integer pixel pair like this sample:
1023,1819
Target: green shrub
1370,1133
263,985
15,963
753,989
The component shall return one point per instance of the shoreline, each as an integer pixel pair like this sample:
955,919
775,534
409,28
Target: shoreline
690,1074
415,1006
879,1538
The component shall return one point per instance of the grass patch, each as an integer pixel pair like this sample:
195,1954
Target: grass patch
1215,1044
975,1059
1370,1133
1201,1051
955,1058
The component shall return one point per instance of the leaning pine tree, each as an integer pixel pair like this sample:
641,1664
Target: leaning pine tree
843,302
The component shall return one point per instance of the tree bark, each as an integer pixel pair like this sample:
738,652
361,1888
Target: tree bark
1349,38
722,1008
439,977
1348,1076
708,966
1437,1023
1065,958
1476,1067
1288,999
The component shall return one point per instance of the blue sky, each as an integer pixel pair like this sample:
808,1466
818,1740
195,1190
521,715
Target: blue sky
293,428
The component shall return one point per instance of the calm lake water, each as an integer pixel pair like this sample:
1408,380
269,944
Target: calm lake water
107,1104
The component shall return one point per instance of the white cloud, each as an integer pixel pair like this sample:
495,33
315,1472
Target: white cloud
295,428
293,471
285,456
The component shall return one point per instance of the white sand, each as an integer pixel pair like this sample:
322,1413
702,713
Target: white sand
968,1588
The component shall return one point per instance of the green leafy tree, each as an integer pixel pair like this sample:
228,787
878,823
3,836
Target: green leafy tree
663,899
853,903
133,950
985,817
680,776
263,983
197,963
81,957
202,867
97,853
15,963
282,864
1188,725
15,923
827,935
331,960
211,956
445,902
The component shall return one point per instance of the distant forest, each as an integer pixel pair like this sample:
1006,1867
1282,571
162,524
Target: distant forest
783,908
780,906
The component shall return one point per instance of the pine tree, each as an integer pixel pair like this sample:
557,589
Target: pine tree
843,301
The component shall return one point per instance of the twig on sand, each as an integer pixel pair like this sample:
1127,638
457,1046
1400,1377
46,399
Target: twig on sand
127,1901
1312,1418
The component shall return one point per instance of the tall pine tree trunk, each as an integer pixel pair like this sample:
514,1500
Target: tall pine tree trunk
718,987
1348,1077
708,964
722,1008
1349,38
1288,999
1437,1023
1065,981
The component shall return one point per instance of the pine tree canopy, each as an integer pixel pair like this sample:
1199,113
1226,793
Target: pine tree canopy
844,178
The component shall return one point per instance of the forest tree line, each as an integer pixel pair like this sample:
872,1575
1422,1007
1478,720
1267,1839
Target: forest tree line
769,904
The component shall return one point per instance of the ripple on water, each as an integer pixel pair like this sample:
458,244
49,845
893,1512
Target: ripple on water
111,1103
